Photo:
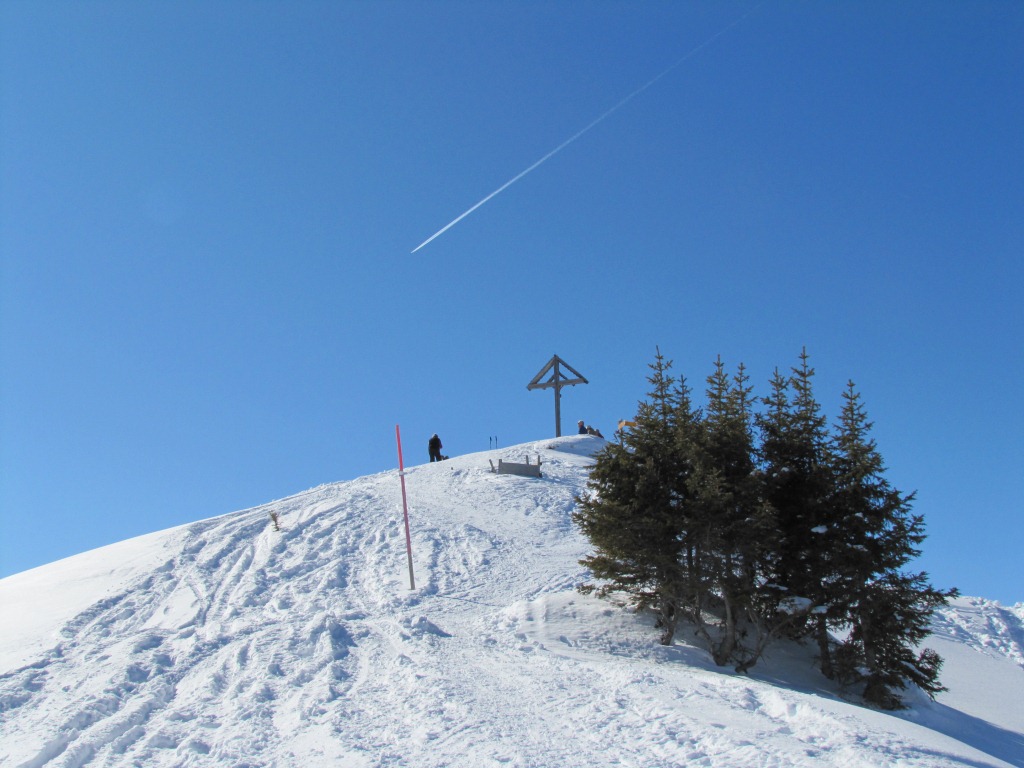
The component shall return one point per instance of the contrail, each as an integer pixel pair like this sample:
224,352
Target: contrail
575,136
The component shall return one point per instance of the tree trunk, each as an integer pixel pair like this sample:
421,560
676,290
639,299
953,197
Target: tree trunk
668,618
724,651
824,648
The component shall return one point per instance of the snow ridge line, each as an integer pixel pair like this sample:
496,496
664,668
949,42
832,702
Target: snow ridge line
984,625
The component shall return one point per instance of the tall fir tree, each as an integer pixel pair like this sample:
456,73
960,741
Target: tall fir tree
635,510
888,610
734,523
795,451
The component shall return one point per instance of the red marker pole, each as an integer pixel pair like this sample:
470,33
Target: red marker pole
405,508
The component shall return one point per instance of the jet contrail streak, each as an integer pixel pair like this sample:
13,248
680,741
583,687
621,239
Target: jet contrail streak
593,123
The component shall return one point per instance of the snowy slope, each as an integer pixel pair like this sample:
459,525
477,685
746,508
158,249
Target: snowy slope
226,643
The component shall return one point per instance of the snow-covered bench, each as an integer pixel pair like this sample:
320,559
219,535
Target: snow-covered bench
516,468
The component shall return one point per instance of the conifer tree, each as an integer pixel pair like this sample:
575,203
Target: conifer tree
888,610
635,509
798,485
732,520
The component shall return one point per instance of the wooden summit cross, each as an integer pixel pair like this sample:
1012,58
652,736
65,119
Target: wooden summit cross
557,381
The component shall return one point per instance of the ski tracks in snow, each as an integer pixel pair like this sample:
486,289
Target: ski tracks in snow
202,634
305,646
251,630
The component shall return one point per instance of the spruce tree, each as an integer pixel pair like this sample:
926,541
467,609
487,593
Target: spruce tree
732,520
635,509
888,610
798,484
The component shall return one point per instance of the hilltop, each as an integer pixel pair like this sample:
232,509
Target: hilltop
229,643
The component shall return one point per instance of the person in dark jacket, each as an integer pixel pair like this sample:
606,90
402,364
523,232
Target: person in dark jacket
434,446
583,428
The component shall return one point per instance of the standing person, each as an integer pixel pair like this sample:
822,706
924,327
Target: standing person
434,447
582,426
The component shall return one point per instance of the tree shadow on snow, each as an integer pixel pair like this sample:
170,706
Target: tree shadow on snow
791,666
973,731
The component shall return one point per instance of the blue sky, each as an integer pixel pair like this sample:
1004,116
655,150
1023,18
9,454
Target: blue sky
208,300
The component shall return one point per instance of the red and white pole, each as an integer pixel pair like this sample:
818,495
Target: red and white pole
405,508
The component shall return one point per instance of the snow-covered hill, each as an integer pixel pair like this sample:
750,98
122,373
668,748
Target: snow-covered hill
227,643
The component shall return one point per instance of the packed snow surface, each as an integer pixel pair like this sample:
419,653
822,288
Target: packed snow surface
229,643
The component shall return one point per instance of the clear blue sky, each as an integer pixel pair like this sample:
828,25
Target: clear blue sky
207,211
